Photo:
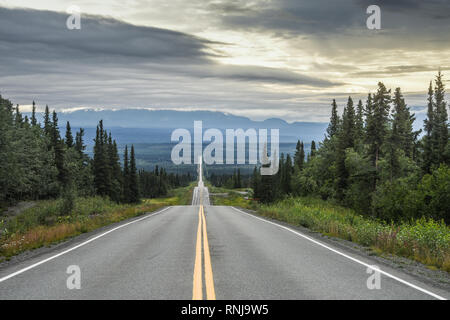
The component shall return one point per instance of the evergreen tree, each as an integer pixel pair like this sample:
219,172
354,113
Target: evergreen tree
18,120
427,139
287,175
239,179
134,186
403,136
313,149
58,149
116,171
377,122
334,120
47,122
440,134
126,177
69,137
33,115
256,183
359,122
299,156
102,178
79,143
348,132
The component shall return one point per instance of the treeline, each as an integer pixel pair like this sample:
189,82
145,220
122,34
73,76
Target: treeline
37,163
230,181
156,183
372,160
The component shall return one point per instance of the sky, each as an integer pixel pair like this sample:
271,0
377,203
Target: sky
259,58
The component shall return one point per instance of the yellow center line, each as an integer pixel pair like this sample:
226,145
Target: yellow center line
209,280
197,289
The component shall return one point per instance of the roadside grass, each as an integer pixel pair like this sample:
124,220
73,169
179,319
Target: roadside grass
424,240
232,198
43,225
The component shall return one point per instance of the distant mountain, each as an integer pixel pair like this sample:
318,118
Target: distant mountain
162,122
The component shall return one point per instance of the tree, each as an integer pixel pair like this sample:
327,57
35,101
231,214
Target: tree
334,121
69,137
256,183
299,157
313,149
402,125
33,115
116,171
47,122
359,122
287,175
377,122
126,177
427,139
346,139
102,174
58,149
134,186
79,143
440,134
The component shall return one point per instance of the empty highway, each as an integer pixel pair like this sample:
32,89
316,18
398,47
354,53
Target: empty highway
204,252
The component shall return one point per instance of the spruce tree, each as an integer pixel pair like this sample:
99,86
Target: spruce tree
256,183
79,143
427,139
33,115
348,132
134,186
102,178
377,123
299,157
116,172
359,122
69,137
334,121
403,136
313,149
440,134
47,122
58,148
126,177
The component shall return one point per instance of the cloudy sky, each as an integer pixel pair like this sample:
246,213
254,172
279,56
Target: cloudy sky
257,58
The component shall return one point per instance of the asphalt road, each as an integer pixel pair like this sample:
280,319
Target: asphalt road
164,256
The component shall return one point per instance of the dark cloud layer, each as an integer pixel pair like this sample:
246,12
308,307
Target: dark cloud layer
109,63
38,41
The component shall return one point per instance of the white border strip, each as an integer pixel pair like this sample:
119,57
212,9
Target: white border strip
78,246
346,256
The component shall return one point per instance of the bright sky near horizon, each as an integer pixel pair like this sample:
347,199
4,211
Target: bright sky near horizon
258,58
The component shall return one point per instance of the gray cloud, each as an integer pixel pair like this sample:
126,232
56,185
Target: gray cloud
399,70
113,64
341,24
38,42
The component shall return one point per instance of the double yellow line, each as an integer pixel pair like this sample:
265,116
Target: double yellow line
197,291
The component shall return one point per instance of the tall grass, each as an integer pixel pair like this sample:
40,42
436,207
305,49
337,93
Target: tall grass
423,240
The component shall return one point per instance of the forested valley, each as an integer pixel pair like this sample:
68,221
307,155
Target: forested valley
38,163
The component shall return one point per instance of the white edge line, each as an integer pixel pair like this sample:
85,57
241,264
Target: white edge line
79,245
346,256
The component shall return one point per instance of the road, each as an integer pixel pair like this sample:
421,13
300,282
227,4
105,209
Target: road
205,252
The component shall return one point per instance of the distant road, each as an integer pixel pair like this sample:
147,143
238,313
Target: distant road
164,255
